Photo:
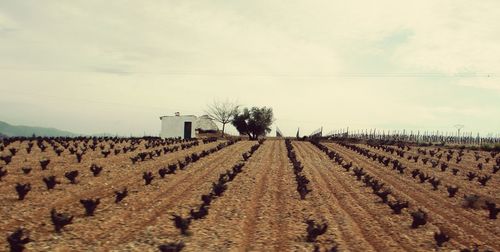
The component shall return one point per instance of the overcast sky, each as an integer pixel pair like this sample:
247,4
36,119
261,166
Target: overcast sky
117,66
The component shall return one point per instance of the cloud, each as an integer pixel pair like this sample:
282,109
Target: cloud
486,83
111,70
7,25
453,37
330,63
396,39
261,36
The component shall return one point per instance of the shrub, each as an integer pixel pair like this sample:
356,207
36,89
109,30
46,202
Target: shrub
44,163
95,169
71,176
60,220
3,173
314,230
22,190
18,240
419,218
50,182
120,195
90,205
441,238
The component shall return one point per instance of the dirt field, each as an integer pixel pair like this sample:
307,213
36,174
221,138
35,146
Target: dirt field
260,208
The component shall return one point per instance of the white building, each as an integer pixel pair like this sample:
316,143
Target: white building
185,126
204,124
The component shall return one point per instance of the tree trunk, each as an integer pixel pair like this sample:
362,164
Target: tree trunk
254,137
223,128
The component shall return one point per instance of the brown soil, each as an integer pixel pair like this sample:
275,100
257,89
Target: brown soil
260,210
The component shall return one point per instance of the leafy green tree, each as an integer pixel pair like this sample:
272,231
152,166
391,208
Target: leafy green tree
254,122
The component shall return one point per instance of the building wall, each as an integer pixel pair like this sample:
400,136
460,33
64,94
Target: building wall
173,126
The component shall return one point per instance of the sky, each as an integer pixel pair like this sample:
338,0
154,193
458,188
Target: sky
115,67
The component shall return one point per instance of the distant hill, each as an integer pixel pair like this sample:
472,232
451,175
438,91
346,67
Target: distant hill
27,131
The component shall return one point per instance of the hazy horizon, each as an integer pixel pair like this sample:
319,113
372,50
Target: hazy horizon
94,67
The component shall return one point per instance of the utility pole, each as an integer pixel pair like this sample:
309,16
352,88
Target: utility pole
459,127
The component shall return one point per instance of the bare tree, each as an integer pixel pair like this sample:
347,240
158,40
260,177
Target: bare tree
222,112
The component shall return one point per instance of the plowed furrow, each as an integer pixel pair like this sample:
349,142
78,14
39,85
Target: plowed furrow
269,218
465,227
345,225
446,177
468,162
67,196
393,229
59,165
248,217
147,205
202,172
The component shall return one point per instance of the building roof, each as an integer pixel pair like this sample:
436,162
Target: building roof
178,116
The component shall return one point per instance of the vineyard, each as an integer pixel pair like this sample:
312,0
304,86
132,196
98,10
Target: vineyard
151,194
